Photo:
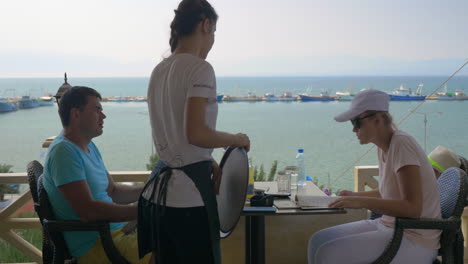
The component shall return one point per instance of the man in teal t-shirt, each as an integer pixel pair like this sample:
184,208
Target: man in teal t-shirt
78,184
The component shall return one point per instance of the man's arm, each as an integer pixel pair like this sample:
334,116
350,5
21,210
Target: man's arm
121,193
78,195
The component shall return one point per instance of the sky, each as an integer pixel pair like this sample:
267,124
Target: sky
124,38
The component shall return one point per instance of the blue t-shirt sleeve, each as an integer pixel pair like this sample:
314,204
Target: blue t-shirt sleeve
98,154
66,165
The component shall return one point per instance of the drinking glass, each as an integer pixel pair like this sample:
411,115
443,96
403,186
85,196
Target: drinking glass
284,183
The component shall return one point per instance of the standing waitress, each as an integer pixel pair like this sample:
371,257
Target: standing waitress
178,218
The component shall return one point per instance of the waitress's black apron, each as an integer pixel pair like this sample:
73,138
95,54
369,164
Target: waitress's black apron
149,211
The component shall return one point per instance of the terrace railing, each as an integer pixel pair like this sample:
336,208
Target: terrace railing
364,178
9,221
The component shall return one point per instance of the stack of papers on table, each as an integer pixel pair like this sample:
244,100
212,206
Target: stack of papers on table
285,204
315,200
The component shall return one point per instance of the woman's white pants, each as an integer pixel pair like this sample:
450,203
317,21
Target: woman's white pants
362,242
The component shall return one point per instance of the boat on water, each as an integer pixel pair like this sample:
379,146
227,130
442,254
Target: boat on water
140,99
405,94
118,99
445,95
27,102
285,97
219,98
47,100
344,96
249,98
6,106
324,97
347,95
460,95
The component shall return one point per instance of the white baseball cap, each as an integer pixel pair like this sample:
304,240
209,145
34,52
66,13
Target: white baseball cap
366,100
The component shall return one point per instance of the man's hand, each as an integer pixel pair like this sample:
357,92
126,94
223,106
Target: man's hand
129,227
217,175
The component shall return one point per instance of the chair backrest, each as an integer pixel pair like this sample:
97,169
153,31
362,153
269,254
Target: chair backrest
34,170
44,210
452,185
42,204
464,164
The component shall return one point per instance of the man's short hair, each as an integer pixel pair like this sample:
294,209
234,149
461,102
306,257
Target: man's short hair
75,97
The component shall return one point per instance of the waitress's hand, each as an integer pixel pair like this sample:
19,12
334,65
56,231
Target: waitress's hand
242,140
217,175
349,202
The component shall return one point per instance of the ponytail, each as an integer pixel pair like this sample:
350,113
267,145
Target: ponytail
187,16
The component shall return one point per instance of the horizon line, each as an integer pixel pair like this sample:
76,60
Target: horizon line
252,76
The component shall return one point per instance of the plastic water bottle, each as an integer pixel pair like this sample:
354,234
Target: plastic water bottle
293,176
301,175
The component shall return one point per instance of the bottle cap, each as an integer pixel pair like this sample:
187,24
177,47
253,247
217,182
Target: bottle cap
300,150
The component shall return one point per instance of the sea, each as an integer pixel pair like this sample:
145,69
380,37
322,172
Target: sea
276,129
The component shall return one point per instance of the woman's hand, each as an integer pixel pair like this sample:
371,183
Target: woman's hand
346,193
350,202
242,140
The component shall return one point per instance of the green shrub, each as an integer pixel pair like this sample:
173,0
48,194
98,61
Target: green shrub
5,188
154,158
255,173
274,167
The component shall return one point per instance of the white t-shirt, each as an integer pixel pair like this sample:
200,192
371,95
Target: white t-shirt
173,81
403,151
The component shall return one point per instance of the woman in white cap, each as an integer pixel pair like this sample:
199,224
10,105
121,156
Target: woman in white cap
407,188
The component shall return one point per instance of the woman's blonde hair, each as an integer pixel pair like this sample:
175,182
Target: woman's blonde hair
386,116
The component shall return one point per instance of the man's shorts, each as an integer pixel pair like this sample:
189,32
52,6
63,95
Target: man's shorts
126,244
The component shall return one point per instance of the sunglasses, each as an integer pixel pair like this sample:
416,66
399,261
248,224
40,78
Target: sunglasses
357,121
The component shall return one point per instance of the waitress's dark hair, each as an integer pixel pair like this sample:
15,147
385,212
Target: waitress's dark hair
187,16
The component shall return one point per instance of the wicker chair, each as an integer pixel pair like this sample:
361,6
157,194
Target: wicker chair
54,248
464,164
453,188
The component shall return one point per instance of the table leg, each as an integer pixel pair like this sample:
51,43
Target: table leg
255,239
248,240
